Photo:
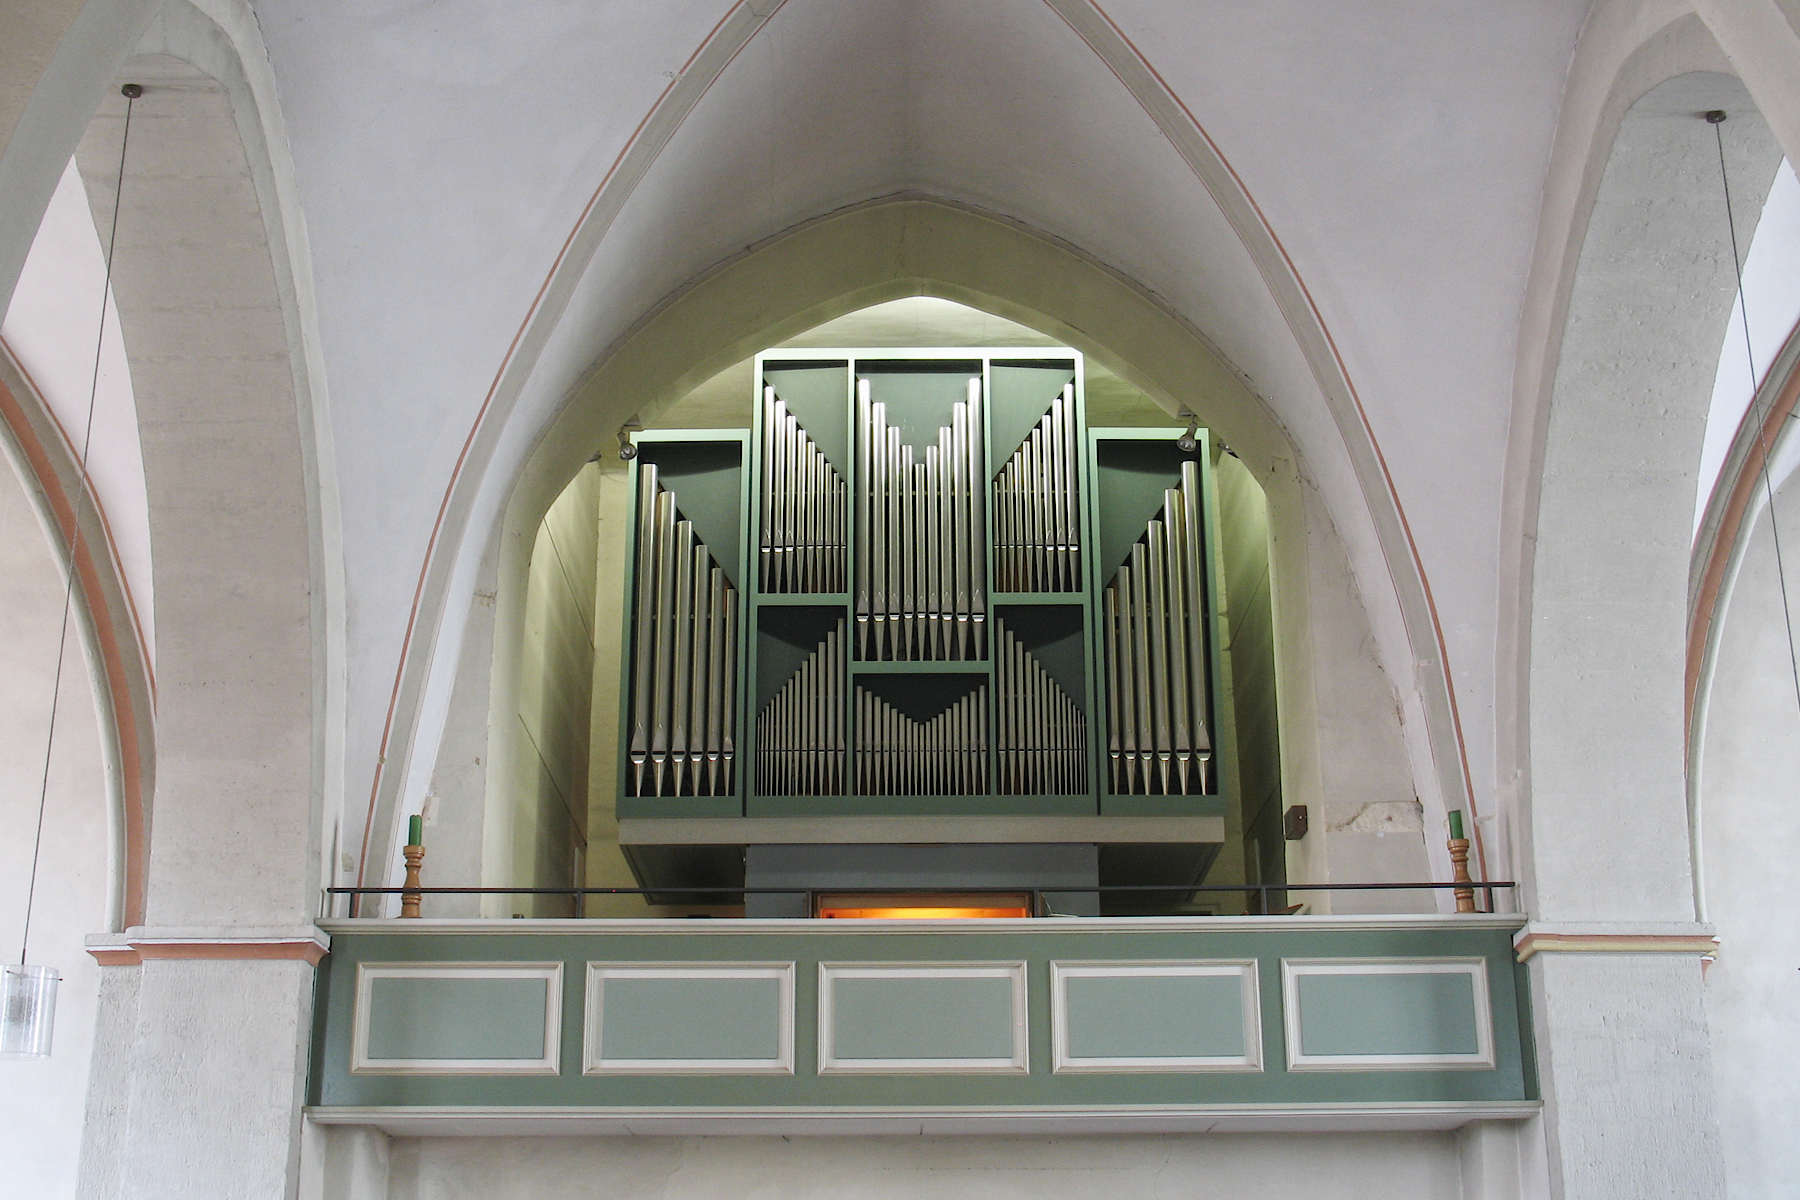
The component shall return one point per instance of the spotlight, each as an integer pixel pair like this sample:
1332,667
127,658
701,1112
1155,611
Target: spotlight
1189,442
627,451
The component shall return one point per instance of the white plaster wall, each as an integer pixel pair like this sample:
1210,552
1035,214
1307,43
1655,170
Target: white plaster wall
1749,841
207,1060
194,281
1269,1167
556,678
50,328
41,1101
1623,1053
1370,825
1609,602
1772,294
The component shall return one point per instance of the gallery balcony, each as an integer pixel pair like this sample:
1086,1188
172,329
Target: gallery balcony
996,1024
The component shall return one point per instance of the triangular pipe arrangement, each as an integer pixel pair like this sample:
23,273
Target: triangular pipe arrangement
1154,624
684,656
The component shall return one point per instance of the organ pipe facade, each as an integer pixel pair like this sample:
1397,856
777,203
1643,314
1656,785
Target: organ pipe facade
949,586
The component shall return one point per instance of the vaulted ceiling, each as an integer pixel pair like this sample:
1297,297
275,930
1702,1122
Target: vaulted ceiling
445,151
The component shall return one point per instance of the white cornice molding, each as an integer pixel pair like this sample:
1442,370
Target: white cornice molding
1615,937
303,943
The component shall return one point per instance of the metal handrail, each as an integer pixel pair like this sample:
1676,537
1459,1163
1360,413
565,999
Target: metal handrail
1037,894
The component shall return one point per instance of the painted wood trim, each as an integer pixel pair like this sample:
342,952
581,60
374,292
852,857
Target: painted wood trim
1294,969
856,1120
549,1063
663,927
1013,972
594,1061
1531,944
1245,969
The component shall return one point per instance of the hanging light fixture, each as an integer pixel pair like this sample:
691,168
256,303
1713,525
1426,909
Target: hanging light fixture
27,991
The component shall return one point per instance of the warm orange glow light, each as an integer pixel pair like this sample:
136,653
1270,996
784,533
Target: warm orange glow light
922,907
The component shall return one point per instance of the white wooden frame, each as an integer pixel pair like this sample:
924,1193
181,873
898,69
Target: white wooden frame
595,1062
549,1063
1013,972
1475,969
1250,991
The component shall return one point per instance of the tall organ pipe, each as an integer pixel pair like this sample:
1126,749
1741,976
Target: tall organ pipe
799,732
684,656
800,499
1155,642
943,755
1037,525
920,562
1040,731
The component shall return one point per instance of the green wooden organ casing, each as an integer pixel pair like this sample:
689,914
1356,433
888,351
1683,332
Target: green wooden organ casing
921,584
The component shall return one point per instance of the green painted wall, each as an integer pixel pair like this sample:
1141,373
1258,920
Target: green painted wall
922,1018
691,1018
1387,1014
1512,1079
1194,1016
456,1018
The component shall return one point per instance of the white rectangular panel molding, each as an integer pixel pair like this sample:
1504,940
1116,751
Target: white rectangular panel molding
1161,1019
1387,1014
958,1018
457,1018
688,1018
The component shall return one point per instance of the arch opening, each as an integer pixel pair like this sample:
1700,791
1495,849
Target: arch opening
543,812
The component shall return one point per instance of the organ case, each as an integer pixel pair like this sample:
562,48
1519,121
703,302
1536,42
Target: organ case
946,594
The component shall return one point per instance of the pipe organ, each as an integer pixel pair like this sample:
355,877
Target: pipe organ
800,732
1153,618
684,666
922,583
1037,543
803,520
919,566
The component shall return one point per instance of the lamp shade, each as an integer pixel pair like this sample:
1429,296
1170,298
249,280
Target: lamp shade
27,1010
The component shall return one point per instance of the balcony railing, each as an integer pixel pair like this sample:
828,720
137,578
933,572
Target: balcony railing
1038,1024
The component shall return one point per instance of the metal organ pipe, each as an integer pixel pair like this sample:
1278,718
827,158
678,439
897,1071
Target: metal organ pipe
684,656
1154,634
943,755
1037,519
801,504
920,593
1041,734
800,731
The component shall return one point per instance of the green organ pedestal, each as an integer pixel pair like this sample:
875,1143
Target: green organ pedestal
921,601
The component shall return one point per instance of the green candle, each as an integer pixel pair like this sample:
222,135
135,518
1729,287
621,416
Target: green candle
1455,823
415,834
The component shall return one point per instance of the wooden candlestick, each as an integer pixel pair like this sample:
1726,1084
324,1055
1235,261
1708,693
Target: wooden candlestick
415,857
1459,873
